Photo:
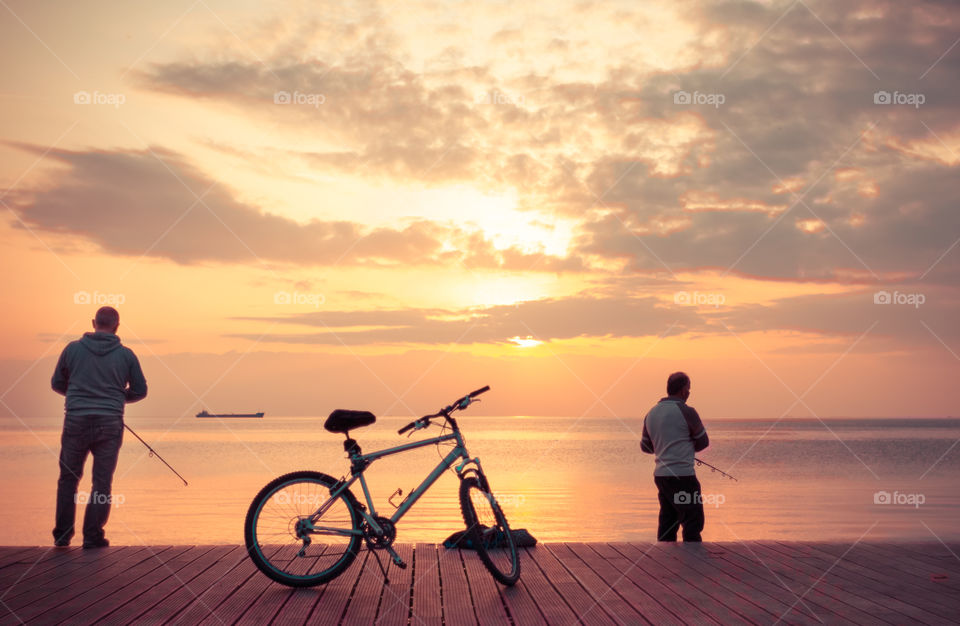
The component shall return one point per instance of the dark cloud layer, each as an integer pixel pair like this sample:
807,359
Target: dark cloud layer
155,203
912,318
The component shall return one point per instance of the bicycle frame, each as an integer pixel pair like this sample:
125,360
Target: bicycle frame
364,460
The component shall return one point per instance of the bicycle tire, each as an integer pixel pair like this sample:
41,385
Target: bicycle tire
502,561
280,561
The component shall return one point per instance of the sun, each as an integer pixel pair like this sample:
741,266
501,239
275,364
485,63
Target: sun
525,342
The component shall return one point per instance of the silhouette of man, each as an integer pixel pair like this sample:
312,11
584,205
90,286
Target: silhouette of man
98,376
673,432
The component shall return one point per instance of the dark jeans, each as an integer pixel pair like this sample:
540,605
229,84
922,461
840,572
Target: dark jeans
680,505
102,436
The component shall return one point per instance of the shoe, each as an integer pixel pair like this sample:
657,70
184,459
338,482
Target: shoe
61,543
99,543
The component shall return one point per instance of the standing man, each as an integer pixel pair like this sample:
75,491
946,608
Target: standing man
98,376
673,432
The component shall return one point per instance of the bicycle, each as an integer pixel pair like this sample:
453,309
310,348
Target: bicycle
291,511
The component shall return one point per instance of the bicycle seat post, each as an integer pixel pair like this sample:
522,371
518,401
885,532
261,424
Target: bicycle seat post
352,448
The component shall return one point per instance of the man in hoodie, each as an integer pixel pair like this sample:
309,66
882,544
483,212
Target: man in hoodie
673,432
98,375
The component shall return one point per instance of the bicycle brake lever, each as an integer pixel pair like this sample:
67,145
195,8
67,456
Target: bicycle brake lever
417,425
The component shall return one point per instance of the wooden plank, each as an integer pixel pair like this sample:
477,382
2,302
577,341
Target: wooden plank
933,555
739,593
196,593
267,607
913,574
640,599
100,595
426,584
829,603
586,608
206,606
113,596
816,570
75,579
686,591
669,570
792,606
488,605
23,554
517,599
51,575
886,578
561,583
640,569
909,562
337,593
396,602
365,599
206,556
598,591
554,609
456,602
246,593
34,563
298,607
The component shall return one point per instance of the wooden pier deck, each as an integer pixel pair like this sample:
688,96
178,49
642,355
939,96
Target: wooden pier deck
561,583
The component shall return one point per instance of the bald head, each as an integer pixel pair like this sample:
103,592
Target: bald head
107,319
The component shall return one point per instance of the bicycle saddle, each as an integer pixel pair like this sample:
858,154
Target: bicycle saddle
343,421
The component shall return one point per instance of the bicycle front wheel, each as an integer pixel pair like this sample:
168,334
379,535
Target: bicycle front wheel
488,530
281,516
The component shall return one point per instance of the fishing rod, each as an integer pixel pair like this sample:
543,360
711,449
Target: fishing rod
154,453
715,469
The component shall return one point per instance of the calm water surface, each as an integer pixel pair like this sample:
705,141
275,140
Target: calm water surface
563,479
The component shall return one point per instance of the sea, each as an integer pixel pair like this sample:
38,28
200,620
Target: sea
561,478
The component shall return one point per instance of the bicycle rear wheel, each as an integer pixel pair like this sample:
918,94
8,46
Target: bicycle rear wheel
488,530
276,524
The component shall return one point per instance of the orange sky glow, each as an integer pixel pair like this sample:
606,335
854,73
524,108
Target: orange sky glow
382,206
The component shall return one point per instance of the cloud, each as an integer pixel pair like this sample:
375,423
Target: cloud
155,203
915,317
549,319
616,150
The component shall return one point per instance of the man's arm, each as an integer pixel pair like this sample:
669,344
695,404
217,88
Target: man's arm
61,375
697,432
646,443
137,383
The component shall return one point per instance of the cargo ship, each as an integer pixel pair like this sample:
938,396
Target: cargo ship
205,413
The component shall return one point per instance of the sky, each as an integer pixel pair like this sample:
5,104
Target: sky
300,206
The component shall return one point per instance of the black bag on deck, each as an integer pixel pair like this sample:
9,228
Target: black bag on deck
521,538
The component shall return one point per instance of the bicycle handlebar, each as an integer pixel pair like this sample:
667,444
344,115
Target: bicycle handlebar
425,420
474,394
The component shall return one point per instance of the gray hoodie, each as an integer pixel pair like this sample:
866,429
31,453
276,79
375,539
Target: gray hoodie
673,432
98,375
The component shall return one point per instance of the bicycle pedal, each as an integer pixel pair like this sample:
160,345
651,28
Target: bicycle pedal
399,563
